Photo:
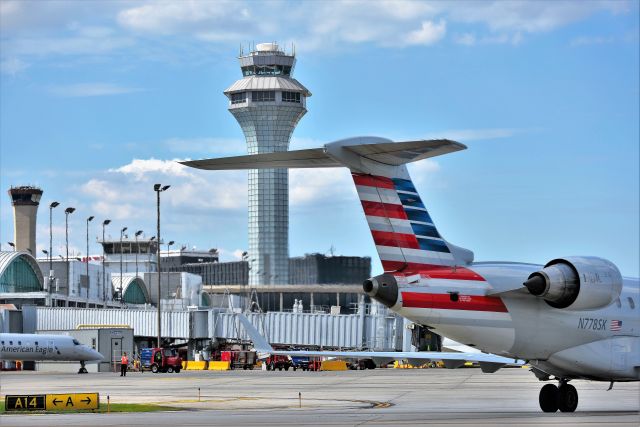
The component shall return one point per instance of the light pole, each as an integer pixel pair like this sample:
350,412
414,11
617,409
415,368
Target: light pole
51,206
67,212
120,288
139,232
169,268
88,281
104,277
158,188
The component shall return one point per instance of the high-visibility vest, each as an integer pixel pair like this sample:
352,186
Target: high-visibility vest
124,360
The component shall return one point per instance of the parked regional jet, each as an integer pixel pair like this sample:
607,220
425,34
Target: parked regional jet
572,318
35,347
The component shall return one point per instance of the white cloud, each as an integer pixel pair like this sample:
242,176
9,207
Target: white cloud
428,33
467,39
13,66
79,90
142,169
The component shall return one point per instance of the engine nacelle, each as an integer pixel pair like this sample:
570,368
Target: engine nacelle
577,283
382,288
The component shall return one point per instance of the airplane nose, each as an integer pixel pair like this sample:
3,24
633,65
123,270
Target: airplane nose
382,288
92,354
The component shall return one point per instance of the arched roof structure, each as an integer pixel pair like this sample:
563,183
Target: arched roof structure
20,272
134,290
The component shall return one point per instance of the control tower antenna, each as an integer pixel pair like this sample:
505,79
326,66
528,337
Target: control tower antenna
268,103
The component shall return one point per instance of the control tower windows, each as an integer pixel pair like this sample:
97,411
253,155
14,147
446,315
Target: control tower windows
266,70
263,96
238,98
291,97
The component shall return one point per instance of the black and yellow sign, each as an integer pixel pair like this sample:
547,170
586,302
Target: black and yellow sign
52,402
35,402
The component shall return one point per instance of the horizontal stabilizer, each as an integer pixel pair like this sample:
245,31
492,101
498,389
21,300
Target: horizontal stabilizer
312,158
386,153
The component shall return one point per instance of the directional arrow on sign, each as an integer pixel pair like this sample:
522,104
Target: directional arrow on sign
56,401
87,400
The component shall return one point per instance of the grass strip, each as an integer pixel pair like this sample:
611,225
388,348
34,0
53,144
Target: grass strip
114,407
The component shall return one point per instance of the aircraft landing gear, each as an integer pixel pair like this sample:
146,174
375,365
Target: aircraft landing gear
82,370
563,397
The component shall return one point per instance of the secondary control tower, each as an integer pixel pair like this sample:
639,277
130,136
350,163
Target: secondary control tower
268,103
25,201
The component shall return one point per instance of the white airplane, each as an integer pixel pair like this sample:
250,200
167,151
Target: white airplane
572,318
36,347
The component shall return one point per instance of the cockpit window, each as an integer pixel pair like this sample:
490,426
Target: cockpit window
632,304
76,342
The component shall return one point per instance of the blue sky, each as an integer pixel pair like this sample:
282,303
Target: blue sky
98,98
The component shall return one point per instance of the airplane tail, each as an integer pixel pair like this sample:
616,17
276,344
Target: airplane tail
404,233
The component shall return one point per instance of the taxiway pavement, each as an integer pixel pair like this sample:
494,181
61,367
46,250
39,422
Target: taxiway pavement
381,397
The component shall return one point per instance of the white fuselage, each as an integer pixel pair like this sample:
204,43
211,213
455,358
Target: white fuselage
601,344
35,347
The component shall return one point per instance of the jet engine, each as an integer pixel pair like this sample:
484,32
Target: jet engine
382,288
577,283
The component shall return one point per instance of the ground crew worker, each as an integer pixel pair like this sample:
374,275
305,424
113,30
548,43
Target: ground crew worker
124,362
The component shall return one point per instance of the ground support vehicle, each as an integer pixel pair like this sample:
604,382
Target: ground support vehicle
241,359
160,360
278,362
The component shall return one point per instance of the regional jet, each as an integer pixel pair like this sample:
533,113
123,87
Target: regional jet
574,317
35,347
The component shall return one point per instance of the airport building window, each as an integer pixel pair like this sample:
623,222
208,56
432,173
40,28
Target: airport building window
238,98
263,96
291,97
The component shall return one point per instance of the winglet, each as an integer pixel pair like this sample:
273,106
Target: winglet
261,345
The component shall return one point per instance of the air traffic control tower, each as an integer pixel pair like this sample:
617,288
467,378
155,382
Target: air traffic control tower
268,103
25,201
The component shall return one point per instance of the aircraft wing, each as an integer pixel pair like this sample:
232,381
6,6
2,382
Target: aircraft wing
390,153
488,362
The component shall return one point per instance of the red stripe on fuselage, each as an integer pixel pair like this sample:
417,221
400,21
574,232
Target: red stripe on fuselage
384,210
386,238
373,181
443,301
432,271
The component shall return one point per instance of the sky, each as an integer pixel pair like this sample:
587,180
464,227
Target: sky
98,99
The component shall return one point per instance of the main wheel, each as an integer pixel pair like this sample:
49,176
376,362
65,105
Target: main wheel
567,398
548,398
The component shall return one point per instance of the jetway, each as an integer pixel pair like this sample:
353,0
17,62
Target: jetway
374,330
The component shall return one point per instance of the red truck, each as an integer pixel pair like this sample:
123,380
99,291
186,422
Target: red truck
278,362
160,360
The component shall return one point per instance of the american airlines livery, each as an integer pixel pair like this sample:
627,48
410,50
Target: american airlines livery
574,317
35,347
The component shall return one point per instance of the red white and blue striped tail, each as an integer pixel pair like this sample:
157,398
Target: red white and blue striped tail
405,236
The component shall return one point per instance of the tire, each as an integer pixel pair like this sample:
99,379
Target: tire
279,368
177,370
269,367
549,397
154,368
567,398
170,369
286,368
294,369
